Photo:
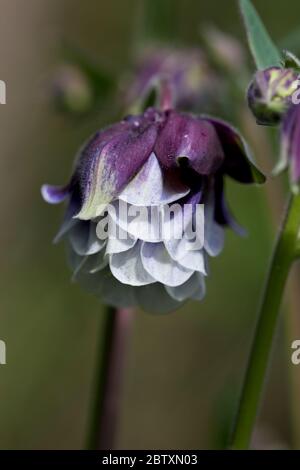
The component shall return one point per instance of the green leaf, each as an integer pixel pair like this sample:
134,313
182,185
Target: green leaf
264,51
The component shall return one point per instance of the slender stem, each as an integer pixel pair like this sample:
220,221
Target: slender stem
166,98
108,379
282,260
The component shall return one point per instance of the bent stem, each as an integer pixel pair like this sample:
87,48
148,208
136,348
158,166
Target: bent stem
108,378
284,254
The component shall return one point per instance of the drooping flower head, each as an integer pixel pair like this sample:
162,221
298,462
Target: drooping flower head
151,161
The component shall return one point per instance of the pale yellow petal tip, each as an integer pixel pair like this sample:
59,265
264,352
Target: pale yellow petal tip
295,188
91,210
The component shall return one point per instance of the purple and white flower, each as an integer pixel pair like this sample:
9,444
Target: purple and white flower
151,160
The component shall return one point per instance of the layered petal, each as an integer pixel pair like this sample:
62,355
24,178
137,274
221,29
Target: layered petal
83,238
195,286
119,242
128,268
55,194
140,222
150,187
159,264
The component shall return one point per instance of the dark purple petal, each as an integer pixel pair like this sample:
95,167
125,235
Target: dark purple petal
55,194
112,158
238,161
223,215
185,140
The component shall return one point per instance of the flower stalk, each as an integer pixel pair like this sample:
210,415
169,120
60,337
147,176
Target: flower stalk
108,379
286,250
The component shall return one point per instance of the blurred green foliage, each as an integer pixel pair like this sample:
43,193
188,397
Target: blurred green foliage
182,367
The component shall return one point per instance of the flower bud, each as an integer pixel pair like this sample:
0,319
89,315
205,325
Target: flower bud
270,94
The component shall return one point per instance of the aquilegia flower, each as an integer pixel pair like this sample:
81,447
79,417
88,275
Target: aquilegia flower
290,145
270,93
152,161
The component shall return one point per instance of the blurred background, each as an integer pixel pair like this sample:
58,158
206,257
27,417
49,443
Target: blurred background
184,370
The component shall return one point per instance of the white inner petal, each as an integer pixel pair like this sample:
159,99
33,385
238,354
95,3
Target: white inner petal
194,286
179,248
140,222
162,267
148,187
127,267
194,260
200,292
119,240
84,239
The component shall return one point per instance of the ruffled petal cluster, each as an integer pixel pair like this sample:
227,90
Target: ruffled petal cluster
165,165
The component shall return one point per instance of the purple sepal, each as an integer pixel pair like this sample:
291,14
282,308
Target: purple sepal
55,194
113,157
186,140
73,208
223,214
238,163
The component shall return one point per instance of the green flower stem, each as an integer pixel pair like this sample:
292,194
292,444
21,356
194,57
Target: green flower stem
108,378
284,254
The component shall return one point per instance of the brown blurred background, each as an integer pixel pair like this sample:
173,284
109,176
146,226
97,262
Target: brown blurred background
184,369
